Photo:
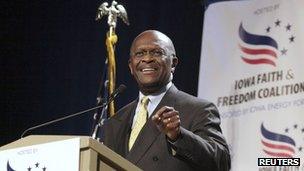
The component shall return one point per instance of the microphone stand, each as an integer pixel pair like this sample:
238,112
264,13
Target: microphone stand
99,113
64,118
104,105
99,123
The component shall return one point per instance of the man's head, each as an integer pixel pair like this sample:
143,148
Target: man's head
152,61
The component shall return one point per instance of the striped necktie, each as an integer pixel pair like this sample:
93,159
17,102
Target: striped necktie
140,121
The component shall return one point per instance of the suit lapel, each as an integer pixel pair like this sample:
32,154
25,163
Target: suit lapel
122,126
149,132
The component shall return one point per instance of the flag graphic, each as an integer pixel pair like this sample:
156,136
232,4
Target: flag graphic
257,49
8,167
277,145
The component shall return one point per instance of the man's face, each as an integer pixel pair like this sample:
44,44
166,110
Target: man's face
151,62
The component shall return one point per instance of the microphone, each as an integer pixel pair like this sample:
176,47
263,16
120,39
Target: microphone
98,119
116,92
119,90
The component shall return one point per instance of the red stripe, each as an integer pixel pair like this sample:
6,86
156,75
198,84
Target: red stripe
258,61
278,154
258,51
281,147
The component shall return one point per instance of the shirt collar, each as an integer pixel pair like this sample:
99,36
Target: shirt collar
156,97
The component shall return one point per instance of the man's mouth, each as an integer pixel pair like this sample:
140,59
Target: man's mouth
148,70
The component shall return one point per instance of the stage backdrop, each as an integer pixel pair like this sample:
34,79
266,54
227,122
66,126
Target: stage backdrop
53,52
252,69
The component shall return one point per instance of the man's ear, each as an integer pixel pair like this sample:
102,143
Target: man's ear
174,63
130,67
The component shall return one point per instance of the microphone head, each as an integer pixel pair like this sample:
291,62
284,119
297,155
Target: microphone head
118,91
121,88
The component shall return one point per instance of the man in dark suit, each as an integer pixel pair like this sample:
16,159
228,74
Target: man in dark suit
164,128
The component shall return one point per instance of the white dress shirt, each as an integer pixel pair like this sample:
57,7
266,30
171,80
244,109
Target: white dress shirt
154,100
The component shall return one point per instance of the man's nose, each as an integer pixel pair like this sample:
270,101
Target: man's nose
147,57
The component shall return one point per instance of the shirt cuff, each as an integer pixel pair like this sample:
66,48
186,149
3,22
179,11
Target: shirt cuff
172,145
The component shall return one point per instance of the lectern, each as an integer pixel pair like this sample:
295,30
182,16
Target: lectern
93,156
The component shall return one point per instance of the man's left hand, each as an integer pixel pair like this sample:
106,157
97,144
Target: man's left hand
168,122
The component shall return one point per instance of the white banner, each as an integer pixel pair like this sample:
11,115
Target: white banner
54,156
252,69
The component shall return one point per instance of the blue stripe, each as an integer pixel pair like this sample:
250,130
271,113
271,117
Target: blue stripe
9,167
255,39
276,137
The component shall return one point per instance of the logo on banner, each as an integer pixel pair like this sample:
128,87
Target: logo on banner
277,144
34,167
264,48
9,167
284,149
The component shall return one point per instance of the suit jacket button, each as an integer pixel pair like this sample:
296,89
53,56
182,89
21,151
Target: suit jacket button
155,158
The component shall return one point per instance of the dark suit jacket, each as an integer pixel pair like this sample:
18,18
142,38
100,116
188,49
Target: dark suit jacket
201,145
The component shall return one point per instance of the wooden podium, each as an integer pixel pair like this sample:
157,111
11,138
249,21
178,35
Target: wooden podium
94,156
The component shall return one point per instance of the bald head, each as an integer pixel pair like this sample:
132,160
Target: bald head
152,61
158,37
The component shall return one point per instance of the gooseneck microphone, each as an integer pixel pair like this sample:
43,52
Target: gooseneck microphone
99,116
116,92
119,90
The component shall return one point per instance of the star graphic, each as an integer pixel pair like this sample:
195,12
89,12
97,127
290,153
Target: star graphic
277,23
37,165
29,168
286,130
283,51
268,29
291,39
44,168
300,149
288,27
295,126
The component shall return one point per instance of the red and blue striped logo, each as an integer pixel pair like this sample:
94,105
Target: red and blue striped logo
277,145
257,49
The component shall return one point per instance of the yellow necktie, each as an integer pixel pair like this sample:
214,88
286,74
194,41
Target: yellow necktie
140,121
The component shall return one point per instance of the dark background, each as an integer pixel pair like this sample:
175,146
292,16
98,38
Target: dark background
53,52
